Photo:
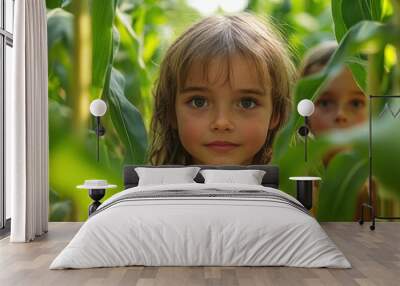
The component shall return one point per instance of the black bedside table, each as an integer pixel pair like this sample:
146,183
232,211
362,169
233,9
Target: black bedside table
97,190
304,189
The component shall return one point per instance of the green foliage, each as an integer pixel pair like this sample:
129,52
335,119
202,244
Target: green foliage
387,151
127,121
304,23
345,175
102,12
60,210
348,13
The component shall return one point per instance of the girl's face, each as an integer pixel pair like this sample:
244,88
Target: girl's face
223,121
342,105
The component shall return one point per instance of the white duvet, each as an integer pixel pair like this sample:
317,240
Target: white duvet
200,231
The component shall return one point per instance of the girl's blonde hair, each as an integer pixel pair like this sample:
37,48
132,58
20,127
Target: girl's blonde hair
317,57
219,37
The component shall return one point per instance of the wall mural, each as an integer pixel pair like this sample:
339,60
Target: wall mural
112,50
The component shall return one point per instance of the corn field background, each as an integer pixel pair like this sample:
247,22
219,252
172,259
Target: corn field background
112,49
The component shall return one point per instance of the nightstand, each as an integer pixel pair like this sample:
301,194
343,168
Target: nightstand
304,189
97,190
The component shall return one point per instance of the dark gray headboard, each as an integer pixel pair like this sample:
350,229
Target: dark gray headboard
270,179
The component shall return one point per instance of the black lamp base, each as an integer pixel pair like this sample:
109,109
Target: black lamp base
96,195
304,193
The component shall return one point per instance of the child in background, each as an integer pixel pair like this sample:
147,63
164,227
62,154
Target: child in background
341,105
222,94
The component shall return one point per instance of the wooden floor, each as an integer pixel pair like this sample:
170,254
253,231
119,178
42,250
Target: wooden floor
374,255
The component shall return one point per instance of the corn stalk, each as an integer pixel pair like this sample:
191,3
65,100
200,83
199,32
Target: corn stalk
82,67
396,22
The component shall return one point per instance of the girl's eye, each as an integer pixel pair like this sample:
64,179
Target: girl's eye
248,103
324,103
198,102
356,103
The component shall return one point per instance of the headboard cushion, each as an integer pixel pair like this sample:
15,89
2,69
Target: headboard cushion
270,179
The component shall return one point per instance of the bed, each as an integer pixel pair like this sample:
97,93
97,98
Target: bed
201,221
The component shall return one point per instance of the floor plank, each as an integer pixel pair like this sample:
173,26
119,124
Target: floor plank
374,255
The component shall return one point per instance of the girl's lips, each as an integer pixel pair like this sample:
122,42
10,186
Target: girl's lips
221,146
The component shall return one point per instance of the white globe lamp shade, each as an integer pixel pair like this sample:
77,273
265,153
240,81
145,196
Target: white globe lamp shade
305,107
98,107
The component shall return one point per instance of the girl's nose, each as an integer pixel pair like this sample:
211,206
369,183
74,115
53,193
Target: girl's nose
222,121
341,117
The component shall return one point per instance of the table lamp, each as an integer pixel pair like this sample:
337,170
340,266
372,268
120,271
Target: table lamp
305,109
98,108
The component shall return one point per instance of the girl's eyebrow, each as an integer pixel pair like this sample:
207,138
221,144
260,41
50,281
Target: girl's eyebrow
357,92
255,91
194,88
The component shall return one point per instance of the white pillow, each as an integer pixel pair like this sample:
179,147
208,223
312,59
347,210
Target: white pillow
249,177
161,176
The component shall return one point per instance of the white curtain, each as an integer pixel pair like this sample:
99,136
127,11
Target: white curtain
27,124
